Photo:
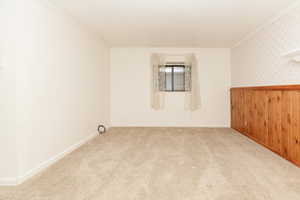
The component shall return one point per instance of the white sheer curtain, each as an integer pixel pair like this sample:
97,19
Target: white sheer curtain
192,91
192,96
157,96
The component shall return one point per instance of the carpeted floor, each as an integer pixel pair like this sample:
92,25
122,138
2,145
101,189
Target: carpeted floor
165,164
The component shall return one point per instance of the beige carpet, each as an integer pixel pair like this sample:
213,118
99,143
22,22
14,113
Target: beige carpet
165,163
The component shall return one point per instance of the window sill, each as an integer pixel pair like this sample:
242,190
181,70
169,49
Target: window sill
174,91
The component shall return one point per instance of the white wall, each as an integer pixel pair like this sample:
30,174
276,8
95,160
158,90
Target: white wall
130,89
8,151
258,60
62,84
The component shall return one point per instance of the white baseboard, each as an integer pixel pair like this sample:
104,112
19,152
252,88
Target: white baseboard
52,160
163,126
8,181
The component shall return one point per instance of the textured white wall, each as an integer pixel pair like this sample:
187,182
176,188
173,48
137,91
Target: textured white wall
130,89
61,84
258,60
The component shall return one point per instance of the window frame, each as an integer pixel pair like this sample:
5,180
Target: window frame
172,66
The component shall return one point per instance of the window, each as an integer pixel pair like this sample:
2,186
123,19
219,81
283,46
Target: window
173,78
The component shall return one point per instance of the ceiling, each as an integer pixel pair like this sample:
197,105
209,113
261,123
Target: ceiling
173,23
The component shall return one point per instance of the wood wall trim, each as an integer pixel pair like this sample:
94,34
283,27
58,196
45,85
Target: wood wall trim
270,87
269,115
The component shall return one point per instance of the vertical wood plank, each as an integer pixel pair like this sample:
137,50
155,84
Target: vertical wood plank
249,112
240,100
237,114
296,129
286,123
274,120
295,140
233,109
291,125
261,116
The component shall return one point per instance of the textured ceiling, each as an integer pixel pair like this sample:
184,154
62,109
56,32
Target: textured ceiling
180,23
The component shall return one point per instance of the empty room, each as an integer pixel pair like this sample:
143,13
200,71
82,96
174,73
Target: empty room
150,100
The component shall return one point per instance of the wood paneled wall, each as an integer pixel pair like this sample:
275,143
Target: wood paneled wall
270,115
